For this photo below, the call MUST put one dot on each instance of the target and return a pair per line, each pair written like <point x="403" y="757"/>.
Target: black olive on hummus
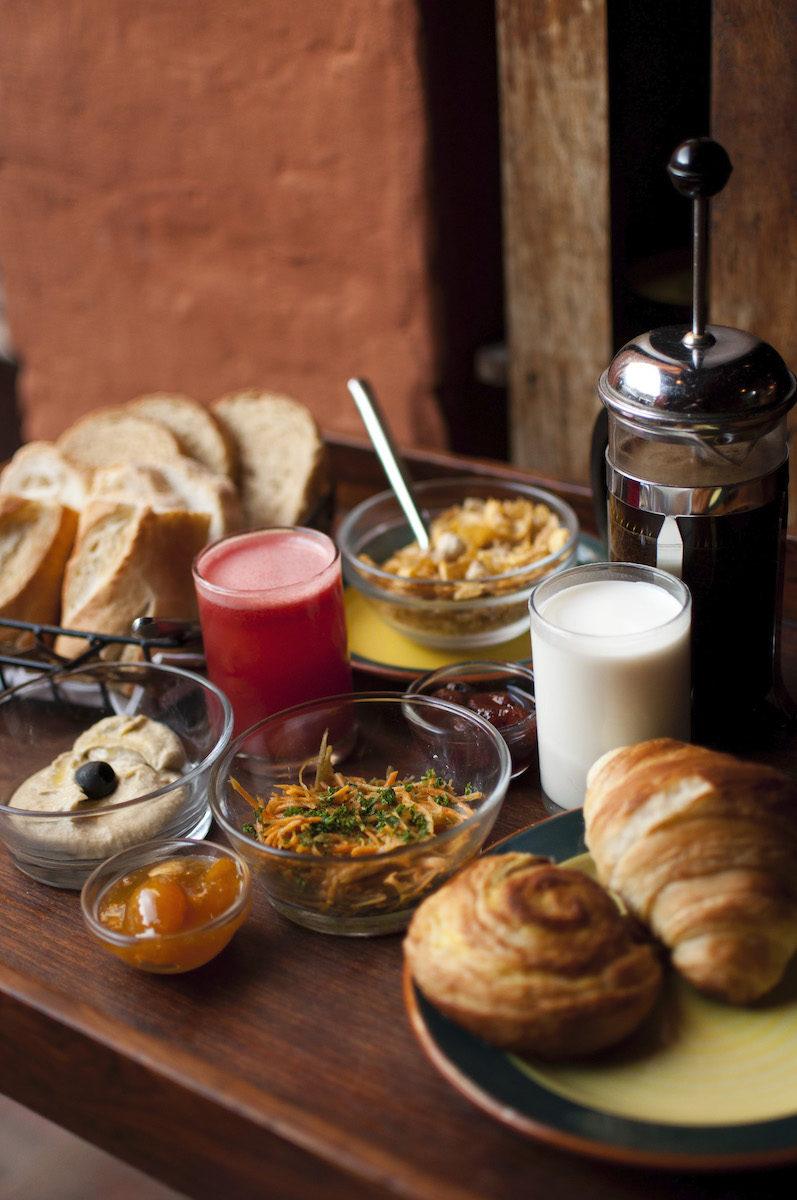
<point x="97" y="779"/>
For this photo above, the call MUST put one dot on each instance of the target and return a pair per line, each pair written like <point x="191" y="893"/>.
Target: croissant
<point x="702" y="848"/>
<point x="532" y="957"/>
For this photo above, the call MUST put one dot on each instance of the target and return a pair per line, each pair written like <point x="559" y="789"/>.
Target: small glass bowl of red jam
<point x="167" y="906"/>
<point x="501" y="692"/>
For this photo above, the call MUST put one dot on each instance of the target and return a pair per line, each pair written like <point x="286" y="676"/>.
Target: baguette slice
<point x="199" y="432"/>
<point x="129" y="560"/>
<point x="111" y="435"/>
<point x="35" y="541"/>
<point x="135" y="482"/>
<point x="40" y="471"/>
<point x="282" y="458"/>
<point x="181" y="483"/>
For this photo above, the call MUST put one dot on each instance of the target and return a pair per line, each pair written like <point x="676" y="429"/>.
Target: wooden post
<point x="555" y="153"/>
<point x="754" y="221"/>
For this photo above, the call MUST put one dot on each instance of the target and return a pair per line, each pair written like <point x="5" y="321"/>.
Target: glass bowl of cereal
<point x="491" y="541"/>
<point x="349" y="810"/>
<point x="167" y="906"/>
<point x="98" y="758"/>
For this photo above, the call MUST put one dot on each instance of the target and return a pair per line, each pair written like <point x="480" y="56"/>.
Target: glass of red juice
<point x="273" y="621"/>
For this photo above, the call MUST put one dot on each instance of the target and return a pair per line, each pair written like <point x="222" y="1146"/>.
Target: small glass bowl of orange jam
<point x="167" y="906"/>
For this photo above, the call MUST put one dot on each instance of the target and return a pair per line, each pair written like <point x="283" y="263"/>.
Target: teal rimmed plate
<point x="703" y="1086"/>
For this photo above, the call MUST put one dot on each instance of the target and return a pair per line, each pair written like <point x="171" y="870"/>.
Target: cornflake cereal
<point x="473" y="542"/>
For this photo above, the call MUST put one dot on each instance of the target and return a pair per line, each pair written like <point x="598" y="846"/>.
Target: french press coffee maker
<point x="697" y="477"/>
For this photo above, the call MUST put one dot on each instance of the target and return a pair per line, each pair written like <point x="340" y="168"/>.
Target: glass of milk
<point x="610" y="646"/>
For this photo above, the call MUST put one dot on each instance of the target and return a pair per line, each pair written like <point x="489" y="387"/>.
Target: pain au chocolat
<point x="532" y="957"/>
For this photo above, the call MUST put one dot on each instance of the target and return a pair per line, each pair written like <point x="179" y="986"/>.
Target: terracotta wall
<point x="206" y="196"/>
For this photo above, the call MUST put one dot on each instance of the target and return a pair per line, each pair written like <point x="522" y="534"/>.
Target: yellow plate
<point x="375" y="646"/>
<point x="701" y="1085"/>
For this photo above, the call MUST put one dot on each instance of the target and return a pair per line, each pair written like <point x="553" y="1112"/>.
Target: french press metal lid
<point x="710" y="382"/>
<point x="697" y="468"/>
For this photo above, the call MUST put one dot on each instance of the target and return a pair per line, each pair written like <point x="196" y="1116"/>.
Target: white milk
<point x="611" y="658"/>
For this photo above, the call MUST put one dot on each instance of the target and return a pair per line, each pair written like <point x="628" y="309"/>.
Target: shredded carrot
<point x="355" y="816"/>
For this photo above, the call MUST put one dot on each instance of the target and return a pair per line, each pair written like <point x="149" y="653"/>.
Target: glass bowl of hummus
<point x="491" y="541"/>
<point x="98" y="758"/>
<point x="350" y="809"/>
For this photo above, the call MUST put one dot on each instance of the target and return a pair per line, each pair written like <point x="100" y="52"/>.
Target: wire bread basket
<point x="150" y="639"/>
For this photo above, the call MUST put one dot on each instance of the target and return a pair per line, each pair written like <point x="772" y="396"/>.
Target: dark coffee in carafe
<point x="731" y="564"/>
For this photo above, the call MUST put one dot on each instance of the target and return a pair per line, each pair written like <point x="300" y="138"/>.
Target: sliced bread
<point x="129" y="560"/>
<point x="35" y="541"/>
<point x="205" y="491"/>
<point x="282" y="459"/>
<point x="40" y="471"/>
<point x="110" y="435"/>
<point x="199" y="432"/>
<point x="180" y="483"/>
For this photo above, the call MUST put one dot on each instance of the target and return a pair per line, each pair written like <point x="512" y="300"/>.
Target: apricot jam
<point x="171" y="912"/>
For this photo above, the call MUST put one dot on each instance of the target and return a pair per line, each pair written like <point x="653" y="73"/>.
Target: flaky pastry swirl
<point x="532" y="957"/>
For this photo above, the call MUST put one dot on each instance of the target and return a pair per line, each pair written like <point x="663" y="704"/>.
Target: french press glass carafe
<point x="697" y="476"/>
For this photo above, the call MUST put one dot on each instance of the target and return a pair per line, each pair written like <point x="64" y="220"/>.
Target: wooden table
<point x="286" y="1068"/>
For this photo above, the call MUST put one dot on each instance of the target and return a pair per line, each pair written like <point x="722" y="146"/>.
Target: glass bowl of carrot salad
<point x="349" y="810"/>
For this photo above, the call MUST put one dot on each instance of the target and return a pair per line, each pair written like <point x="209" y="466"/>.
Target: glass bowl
<point x="501" y="692"/>
<point x="42" y="719"/>
<point x="177" y="903"/>
<point x="323" y="886"/>
<point x="451" y="613"/>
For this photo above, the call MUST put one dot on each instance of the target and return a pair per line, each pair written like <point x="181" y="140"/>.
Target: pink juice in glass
<point x="273" y="620"/>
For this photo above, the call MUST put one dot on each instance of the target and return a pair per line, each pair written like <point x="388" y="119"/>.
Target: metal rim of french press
<point x="698" y="377"/>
